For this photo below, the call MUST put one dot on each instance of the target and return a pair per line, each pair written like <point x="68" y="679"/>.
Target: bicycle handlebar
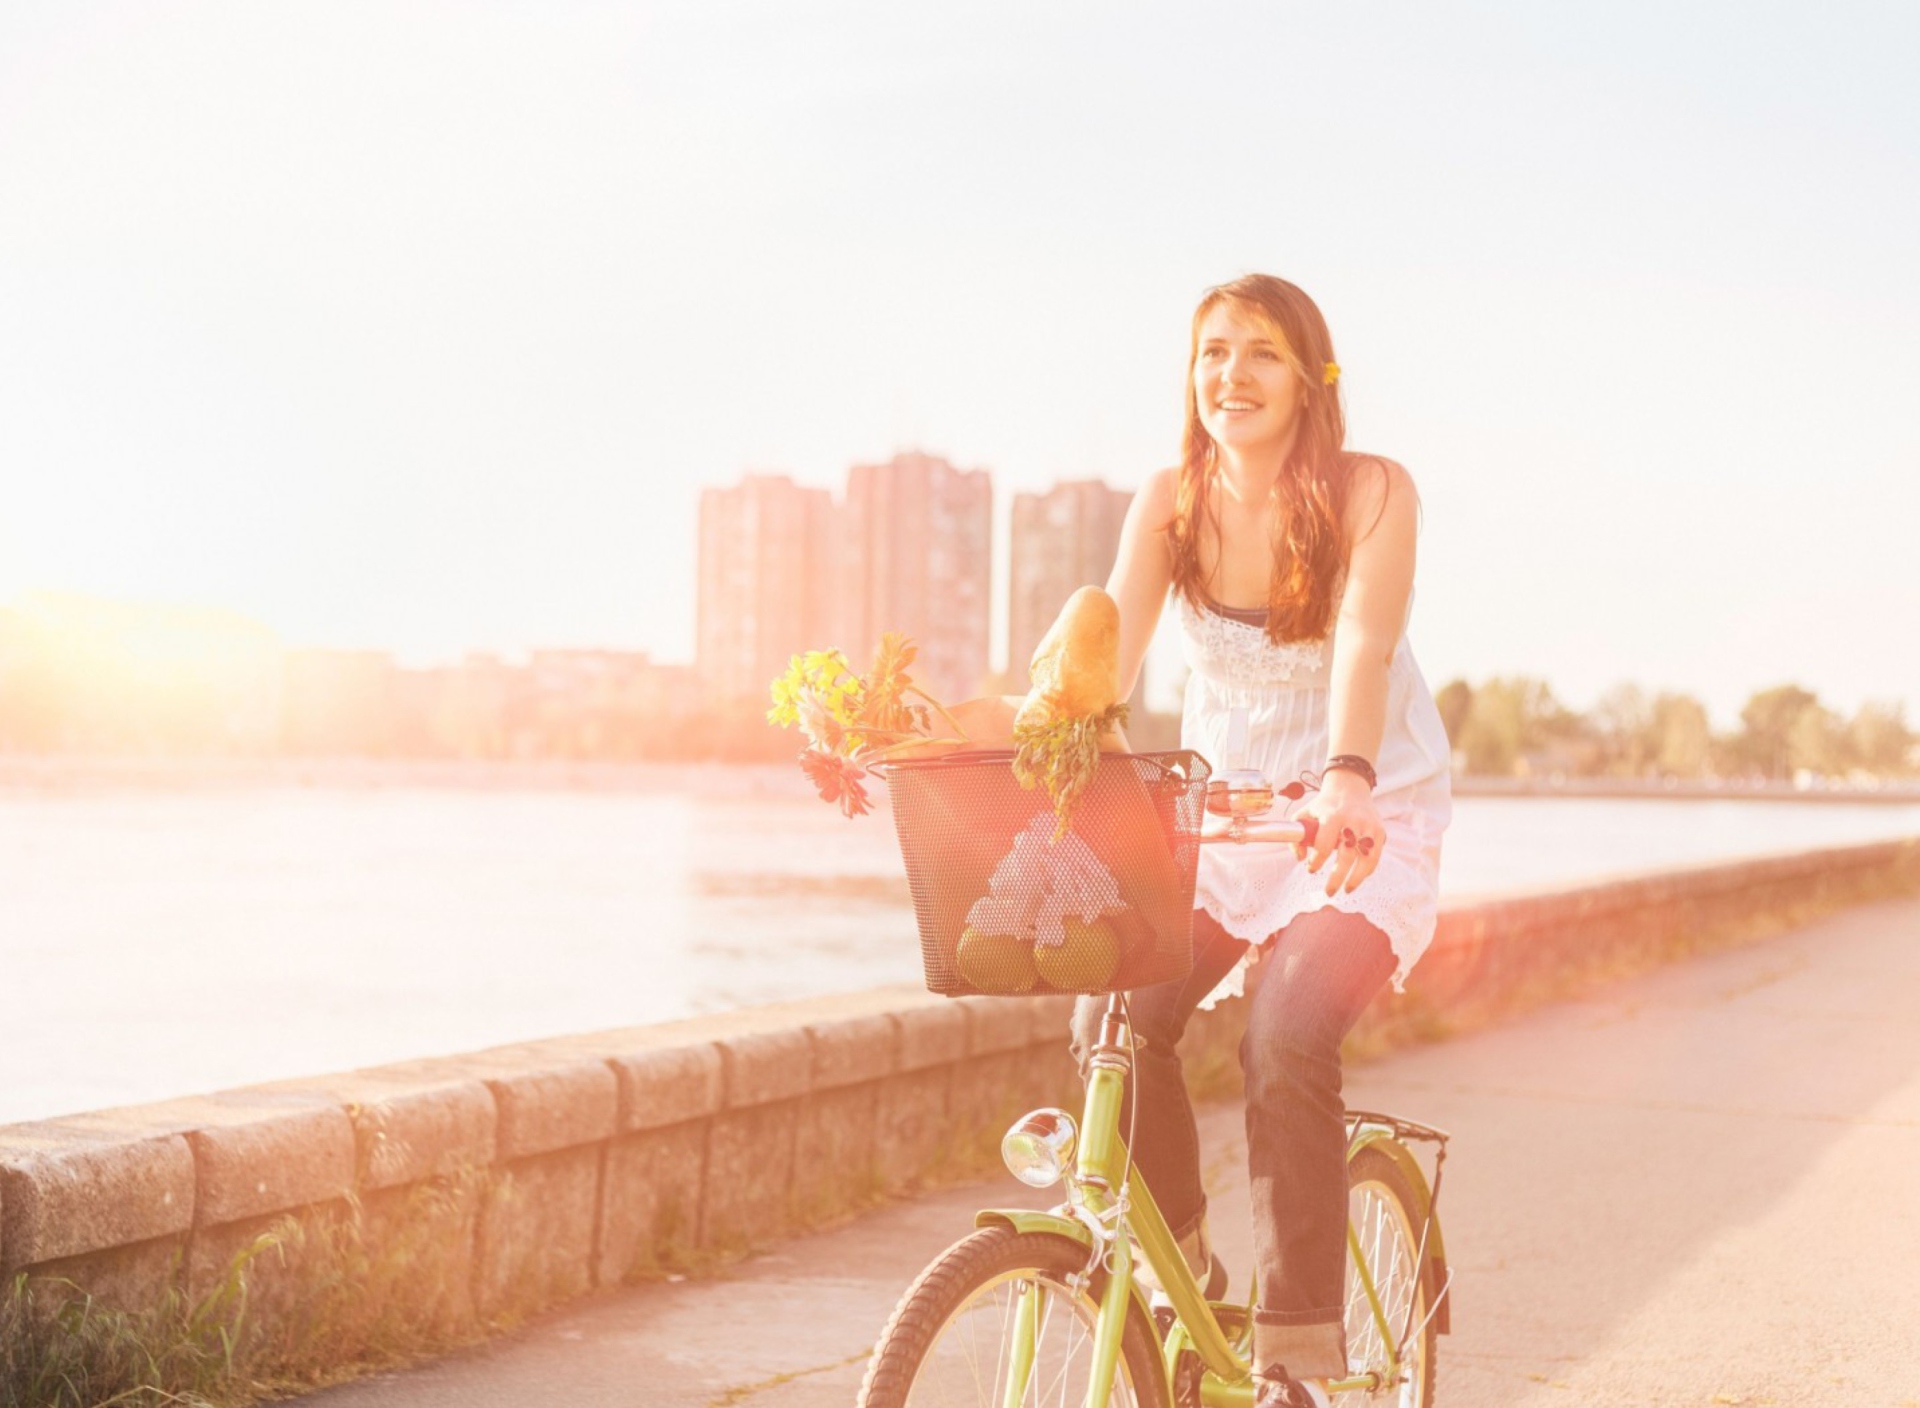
<point x="1240" y="830"/>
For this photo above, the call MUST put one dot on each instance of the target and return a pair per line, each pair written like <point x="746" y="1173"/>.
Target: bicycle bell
<point x="1239" y="793"/>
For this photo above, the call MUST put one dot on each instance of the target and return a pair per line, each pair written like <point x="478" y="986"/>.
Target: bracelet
<point x="1354" y="763"/>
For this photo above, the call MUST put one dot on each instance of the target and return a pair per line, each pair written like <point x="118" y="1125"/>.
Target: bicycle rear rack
<point x="1402" y="1128"/>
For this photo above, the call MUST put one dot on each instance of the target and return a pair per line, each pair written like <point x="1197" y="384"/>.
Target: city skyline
<point x="215" y="639"/>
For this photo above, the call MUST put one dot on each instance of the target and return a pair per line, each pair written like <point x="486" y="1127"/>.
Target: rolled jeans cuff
<point x="1191" y="1225"/>
<point x="1307" y="1348"/>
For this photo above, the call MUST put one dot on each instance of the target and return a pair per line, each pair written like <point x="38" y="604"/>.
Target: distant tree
<point x="1623" y="723"/>
<point x="1769" y="721"/>
<point x="1817" y="742"/>
<point x="1681" y="739"/>
<point x="1490" y="733"/>
<point x="1510" y="717"/>
<point x="1455" y="701"/>
<point x="1878" y="738"/>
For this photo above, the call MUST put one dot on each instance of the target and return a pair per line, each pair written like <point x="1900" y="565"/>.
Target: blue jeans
<point x="1303" y="999"/>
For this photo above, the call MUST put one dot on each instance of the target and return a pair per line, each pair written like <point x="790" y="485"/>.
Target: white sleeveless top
<point x="1280" y="693"/>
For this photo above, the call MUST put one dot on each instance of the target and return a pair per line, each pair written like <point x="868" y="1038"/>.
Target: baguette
<point x="1075" y="672"/>
<point x="1073" y="712"/>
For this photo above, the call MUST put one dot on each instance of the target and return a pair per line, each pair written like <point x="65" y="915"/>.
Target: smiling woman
<point x="1290" y="562"/>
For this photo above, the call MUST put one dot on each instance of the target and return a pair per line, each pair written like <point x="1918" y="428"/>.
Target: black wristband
<point x="1354" y="763"/>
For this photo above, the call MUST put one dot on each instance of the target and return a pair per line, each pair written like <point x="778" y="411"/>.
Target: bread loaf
<point x="1075" y="672"/>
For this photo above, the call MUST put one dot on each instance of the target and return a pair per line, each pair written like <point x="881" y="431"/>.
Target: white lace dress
<point x="1250" y="703"/>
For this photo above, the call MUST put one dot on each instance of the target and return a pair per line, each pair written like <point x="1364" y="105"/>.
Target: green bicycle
<point x="1044" y="1308"/>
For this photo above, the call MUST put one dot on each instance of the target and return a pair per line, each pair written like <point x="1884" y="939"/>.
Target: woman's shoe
<point x="1276" y="1388"/>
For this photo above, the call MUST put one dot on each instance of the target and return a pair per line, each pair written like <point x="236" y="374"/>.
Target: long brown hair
<point x="1310" y="545"/>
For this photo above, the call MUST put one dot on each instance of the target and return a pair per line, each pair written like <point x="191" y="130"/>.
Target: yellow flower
<point x="786" y="696"/>
<point x="823" y="676"/>
<point x="1331" y="374"/>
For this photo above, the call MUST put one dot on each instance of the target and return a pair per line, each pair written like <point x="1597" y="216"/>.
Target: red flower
<point x="837" y="780"/>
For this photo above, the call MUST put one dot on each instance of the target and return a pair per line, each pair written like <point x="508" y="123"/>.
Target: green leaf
<point x="1062" y="756"/>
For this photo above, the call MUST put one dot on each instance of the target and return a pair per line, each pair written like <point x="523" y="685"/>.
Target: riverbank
<point x="380" y="1213"/>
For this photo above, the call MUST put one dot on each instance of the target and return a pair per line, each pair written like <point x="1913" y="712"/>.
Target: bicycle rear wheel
<point x="1387" y="1215"/>
<point x="951" y="1341"/>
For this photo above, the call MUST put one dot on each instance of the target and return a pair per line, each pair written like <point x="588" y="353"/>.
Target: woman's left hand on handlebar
<point x="1351" y="835"/>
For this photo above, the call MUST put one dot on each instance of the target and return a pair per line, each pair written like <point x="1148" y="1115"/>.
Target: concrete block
<point x="411" y="1120"/>
<point x="1055" y="1078"/>
<point x="650" y="1206"/>
<point x="986" y="1096"/>
<point x="1052" y="1018"/>
<point x="911" y="1143"/>
<point x="270" y="1159"/>
<point x="764" y="1067"/>
<point x="537" y="1231"/>
<point x="668" y="1085"/>
<point x="833" y="1153"/>
<point x="419" y="1247"/>
<point x="770" y="1017"/>
<point x="283" y="1257"/>
<point x="559" y="1107"/>
<point x="83" y="1194"/>
<point x="853" y="1050"/>
<point x="996" y="1024"/>
<point x="931" y="1036"/>
<point x="411" y="1134"/>
<point x="749" y="1175"/>
<point x="130" y="1279"/>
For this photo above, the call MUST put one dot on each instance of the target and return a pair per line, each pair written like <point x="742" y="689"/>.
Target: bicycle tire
<point x="1387" y="1214"/>
<point x="944" y="1346"/>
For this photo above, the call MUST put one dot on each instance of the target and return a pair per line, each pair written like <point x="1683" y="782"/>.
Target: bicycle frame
<point x="1110" y="1206"/>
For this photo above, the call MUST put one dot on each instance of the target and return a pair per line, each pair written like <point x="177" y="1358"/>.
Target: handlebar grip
<point x="1296" y="831"/>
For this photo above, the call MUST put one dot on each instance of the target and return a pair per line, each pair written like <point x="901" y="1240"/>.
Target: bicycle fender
<point x="1376" y="1136"/>
<point x="1054" y="1224"/>
<point x="1033" y="1220"/>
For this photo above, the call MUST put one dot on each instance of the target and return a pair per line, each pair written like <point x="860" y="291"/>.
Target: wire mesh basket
<point x="1004" y="907"/>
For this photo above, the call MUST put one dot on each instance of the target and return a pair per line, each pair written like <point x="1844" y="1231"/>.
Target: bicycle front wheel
<point x="1387" y="1213"/>
<point x="995" y="1321"/>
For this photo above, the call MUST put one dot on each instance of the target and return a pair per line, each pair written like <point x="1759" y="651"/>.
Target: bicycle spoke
<point x="1383" y="1244"/>
<point x="1021" y="1335"/>
<point x="985" y="1336"/>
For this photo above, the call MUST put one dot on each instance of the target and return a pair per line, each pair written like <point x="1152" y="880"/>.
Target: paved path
<point x="1698" y="1187"/>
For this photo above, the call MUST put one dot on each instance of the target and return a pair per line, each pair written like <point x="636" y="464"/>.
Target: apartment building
<point x="769" y="583"/>
<point x="1062" y="540"/>
<point x="918" y="558"/>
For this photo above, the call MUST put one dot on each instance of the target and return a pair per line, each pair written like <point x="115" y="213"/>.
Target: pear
<point x="1085" y="962"/>
<point x="995" y="963"/>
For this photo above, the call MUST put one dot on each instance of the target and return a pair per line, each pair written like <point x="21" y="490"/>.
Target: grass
<point x="60" y="1348"/>
<point x="353" y="1292"/>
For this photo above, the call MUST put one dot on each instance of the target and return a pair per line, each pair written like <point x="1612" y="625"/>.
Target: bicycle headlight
<point x="1039" y="1148"/>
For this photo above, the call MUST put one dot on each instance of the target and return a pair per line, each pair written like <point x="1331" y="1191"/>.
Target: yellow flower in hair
<point x="1331" y="374"/>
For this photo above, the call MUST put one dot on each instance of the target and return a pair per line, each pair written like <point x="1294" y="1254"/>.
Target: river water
<point x="160" y="941"/>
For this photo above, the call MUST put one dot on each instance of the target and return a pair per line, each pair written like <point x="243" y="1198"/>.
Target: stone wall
<point x="508" y="1180"/>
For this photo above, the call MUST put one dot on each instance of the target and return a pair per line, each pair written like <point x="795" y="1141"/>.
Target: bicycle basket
<point x="1004" y="908"/>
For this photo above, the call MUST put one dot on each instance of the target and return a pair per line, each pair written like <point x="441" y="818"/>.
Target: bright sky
<point x="421" y="325"/>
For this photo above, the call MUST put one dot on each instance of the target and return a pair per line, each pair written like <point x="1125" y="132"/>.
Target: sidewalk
<point x="1695" y="1187"/>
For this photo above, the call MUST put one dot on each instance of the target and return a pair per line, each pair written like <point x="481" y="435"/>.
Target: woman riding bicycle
<point x="1289" y="561"/>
